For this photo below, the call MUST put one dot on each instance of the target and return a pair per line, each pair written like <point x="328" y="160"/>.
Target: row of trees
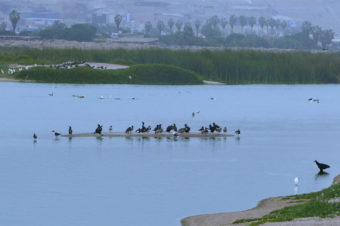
<point x="77" y="32"/>
<point x="216" y="26"/>
<point x="316" y="35"/>
<point x="212" y="33"/>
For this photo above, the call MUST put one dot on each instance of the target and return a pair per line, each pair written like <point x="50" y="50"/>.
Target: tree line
<point x="271" y="33"/>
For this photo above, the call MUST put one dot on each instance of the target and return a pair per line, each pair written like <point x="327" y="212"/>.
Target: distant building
<point x="40" y="19"/>
<point x="99" y="18"/>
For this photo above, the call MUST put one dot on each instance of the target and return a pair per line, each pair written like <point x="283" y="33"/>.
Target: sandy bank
<point x="264" y="207"/>
<point x="206" y="82"/>
<point x="8" y="80"/>
<point x="164" y="134"/>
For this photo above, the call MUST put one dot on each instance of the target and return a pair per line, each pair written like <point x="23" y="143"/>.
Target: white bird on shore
<point x="296" y="181"/>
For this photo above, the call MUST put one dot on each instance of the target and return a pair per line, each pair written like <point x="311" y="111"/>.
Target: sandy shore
<point x="264" y="207"/>
<point x="8" y="80"/>
<point x="206" y="82"/>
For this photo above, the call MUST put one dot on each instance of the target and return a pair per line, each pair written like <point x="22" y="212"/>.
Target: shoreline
<point x="264" y="207"/>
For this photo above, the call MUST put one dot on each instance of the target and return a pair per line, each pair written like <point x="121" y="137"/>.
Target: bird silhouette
<point x="321" y="166"/>
<point x="55" y="133"/>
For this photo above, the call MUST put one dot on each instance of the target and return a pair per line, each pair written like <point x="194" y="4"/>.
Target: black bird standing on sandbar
<point x="35" y="136"/>
<point x="70" y="130"/>
<point x="55" y="133"/>
<point x="321" y="166"/>
<point x="99" y="129"/>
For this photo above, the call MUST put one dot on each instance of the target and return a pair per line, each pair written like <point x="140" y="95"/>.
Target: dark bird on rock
<point x="321" y="166"/>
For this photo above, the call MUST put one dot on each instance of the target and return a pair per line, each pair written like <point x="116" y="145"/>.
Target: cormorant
<point x="70" y="130"/>
<point x="55" y="133"/>
<point x="99" y="129"/>
<point x="321" y="166"/>
<point x="129" y="130"/>
<point x="35" y="136"/>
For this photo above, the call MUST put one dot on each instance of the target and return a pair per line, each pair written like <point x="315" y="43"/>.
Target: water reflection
<point x="321" y="175"/>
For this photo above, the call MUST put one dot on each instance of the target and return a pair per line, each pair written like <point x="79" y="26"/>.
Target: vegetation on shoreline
<point x="227" y="66"/>
<point x="325" y="203"/>
<point x="137" y="74"/>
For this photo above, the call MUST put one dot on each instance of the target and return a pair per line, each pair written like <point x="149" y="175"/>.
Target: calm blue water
<point x="152" y="182"/>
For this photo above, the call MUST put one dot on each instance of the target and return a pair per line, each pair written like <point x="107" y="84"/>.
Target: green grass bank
<point x="325" y="203"/>
<point x="138" y="74"/>
<point x="227" y="66"/>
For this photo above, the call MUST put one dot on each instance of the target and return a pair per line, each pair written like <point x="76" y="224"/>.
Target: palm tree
<point x="160" y="26"/>
<point x="147" y="28"/>
<point x="326" y="38"/>
<point x="306" y="28"/>
<point x="171" y="24"/>
<point x="262" y="22"/>
<point x="118" y="20"/>
<point x="197" y="26"/>
<point x="224" y="23"/>
<point x="214" y="21"/>
<point x="232" y="22"/>
<point x="316" y="31"/>
<point x="272" y="24"/>
<point x="243" y="22"/>
<point x="284" y="25"/>
<point x="252" y="22"/>
<point x="3" y="26"/>
<point x="179" y="24"/>
<point x="14" y="17"/>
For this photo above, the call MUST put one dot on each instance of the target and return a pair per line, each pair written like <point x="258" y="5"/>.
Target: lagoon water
<point x="152" y="182"/>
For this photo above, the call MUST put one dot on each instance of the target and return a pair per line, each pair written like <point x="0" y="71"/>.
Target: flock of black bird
<point x="169" y="129"/>
<point x="173" y="128"/>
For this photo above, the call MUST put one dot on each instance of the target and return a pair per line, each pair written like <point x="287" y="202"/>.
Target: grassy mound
<point x="320" y="204"/>
<point x="151" y="74"/>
